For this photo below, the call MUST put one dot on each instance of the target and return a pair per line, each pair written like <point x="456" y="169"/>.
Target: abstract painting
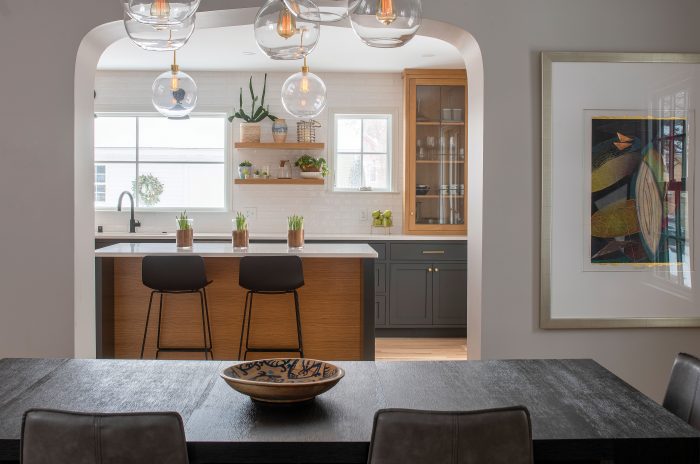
<point x="639" y="190"/>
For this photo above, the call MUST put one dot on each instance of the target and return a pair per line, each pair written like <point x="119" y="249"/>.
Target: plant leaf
<point x="262" y="100"/>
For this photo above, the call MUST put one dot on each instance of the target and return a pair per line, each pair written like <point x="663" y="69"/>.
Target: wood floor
<point x="421" y="349"/>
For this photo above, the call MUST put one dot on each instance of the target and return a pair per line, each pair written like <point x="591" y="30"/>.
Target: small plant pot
<point x="184" y="238"/>
<point x="240" y="239"/>
<point x="250" y="132"/>
<point x="295" y="239"/>
<point x="244" y="172"/>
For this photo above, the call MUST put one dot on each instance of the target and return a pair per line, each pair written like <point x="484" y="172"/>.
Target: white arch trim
<point x="89" y="52"/>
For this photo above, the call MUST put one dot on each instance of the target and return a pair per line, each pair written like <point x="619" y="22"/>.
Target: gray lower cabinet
<point x="411" y="295"/>
<point x="449" y="294"/>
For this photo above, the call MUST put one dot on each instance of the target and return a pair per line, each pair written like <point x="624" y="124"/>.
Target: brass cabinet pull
<point x="433" y="252"/>
<point x="430" y="269"/>
<point x="437" y="269"/>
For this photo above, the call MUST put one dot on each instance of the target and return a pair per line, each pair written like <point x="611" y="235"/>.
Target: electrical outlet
<point x="250" y="213"/>
<point x="363" y="215"/>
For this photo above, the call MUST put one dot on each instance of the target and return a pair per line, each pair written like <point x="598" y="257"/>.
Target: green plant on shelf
<point x="308" y="163"/>
<point x="258" y="113"/>
<point x="183" y="222"/>
<point x="241" y="221"/>
<point x="295" y="222"/>
<point x="246" y="164"/>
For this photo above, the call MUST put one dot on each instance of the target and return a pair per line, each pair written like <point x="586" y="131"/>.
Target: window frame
<point x="228" y="179"/>
<point x="393" y="148"/>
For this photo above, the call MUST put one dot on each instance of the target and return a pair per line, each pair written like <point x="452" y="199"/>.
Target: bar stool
<point x="177" y="275"/>
<point x="270" y="275"/>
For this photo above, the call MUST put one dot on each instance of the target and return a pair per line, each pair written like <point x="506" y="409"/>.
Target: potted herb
<point x="244" y="169"/>
<point x="295" y="234"/>
<point x="250" y="128"/>
<point x="257" y="174"/>
<point x="240" y="232"/>
<point x="184" y="235"/>
<point x="312" y="168"/>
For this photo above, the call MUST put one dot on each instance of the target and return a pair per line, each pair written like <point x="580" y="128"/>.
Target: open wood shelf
<point x="280" y="181"/>
<point x="280" y="146"/>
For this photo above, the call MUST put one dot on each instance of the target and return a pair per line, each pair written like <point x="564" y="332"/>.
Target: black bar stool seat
<point x="177" y="275"/>
<point x="270" y="275"/>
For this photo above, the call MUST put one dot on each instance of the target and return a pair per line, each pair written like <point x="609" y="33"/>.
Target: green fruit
<point x="387" y="213"/>
<point x="376" y="214"/>
<point x="377" y="223"/>
<point x="388" y="222"/>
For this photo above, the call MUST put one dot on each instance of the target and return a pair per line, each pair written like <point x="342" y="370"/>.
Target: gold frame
<point x="546" y="320"/>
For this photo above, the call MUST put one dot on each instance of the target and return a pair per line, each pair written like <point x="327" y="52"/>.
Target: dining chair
<point x="62" y="437"/>
<point x="682" y="394"/>
<point x="493" y="436"/>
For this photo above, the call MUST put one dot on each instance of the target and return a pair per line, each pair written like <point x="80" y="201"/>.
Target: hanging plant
<point x="148" y="189"/>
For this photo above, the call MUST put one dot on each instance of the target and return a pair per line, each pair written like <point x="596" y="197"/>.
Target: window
<point x="362" y="152"/>
<point x="172" y="164"/>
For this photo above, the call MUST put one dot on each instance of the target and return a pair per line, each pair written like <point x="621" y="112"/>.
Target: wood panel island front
<point x="337" y="303"/>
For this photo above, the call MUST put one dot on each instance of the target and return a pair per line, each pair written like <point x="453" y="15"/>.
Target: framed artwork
<point x="618" y="198"/>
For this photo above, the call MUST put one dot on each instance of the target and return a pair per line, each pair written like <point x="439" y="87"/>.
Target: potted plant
<point x="257" y="174"/>
<point x="244" y="169"/>
<point x="184" y="235"/>
<point x="295" y="234"/>
<point x="250" y="128"/>
<point x="240" y="232"/>
<point x="312" y="168"/>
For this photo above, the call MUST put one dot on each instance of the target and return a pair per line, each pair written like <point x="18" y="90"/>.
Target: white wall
<point x="324" y="211"/>
<point x="39" y="45"/>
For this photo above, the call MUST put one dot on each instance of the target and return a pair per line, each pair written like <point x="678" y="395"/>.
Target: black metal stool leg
<point x="204" y="326"/>
<point x="250" y="321"/>
<point x="245" y="314"/>
<point x="296" y="308"/>
<point x="160" y="317"/>
<point x="206" y="311"/>
<point x="148" y="318"/>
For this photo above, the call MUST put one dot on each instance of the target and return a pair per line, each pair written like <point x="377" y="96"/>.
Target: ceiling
<point x="234" y="49"/>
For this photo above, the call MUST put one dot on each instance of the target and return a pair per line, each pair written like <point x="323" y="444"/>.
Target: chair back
<point x="683" y="395"/>
<point x="271" y="273"/>
<point x="495" y="436"/>
<point x="174" y="273"/>
<point x="61" y="437"/>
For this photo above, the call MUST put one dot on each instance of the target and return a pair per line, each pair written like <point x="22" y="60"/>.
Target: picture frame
<point x="618" y="237"/>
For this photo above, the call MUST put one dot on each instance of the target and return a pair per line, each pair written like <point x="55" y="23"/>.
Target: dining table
<point x="579" y="410"/>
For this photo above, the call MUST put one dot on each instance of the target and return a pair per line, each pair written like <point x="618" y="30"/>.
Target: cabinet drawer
<point x="380" y="248"/>
<point x="380" y="278"/>
<point x="379" y="310"/>
<point x="429" y="251"/>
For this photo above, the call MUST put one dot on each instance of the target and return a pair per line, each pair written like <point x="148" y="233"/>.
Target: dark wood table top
<point x="578" y="408"/>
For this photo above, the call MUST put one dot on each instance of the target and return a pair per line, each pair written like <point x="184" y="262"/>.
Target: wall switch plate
<point x="250" y="213"/>
<point x="363" y="215"/>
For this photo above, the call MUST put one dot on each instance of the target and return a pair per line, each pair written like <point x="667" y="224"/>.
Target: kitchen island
<point x="337" y="302"/>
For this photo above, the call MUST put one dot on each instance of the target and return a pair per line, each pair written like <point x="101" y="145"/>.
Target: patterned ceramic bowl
<point x="282" y="380"/>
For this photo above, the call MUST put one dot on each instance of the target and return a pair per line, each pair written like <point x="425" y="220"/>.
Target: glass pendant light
<point x="161" y="13"/>
<point x="304" y="94"/>
<point x="283" y="36"/>
<point x="174" y="93"/>
<point x="386" y="23"/>
<point x="158" y="38"/>
<point x="324" y="11"/>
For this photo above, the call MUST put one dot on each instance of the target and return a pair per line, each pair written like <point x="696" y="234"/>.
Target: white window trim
<point x="395" y="147"/>
<point x="228" y="155"/>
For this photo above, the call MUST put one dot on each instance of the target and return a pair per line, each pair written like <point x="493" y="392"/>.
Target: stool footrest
<point x="184" y="350"/>
<point x="283" y="349"/>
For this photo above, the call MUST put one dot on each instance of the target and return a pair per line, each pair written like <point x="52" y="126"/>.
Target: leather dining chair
<point x="682" y="395"/>
<point x="495" y="436"/>
<point x="61" y="437"/>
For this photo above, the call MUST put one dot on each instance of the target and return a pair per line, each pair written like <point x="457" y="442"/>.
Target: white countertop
<point x="225" y="250"/>
<point x="329" y="237"/>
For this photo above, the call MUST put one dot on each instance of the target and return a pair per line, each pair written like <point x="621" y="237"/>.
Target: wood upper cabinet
<point x="435" y="193"/>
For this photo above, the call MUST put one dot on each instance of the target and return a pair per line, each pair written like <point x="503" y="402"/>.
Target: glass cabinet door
<point x="439" y="156"/>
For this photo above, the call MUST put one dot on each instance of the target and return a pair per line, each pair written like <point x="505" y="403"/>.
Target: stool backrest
<point x="683" y="391"/>
<point x="174" y="273"/>
<point x="496" y="436"/>
<point x="61" y="437"/>
<point x="271" y="273"/>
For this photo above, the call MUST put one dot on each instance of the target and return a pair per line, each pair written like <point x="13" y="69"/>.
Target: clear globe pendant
<point x="283" y="36"/>
<point x="324" y="11"/>
<point x="386" y="23"/>
<point x="174" y="93"/>
<point x="159" y="38"/>
<point x="161" y="12"/>
<point x="304" y="94"/>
